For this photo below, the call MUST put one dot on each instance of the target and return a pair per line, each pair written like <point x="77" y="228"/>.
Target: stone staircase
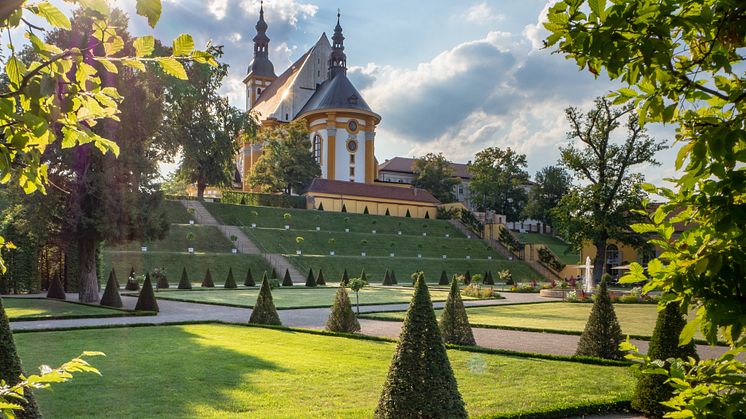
<point x="243" y="244"/>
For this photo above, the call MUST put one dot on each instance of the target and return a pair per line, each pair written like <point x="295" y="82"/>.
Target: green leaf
<point x="114" y="45"/>
<point x="53" y="15"/>
<point x="599" y="8"/>
<point x="689" y="330"/>
<point x="173" y="67"/>
<point x="100" y="6"/>
<point x="183" y="45"/>
<point x="108" y="65"/>
<point x="150" y="9"/>
<point x="137" y="65"/>
<point x="144" y="45"/>
<point x="15" y="70"/>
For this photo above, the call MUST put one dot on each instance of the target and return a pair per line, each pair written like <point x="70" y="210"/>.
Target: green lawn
<point x="269" y="217"/>
<point x="635" y="319"/>
<point x="300" y="296"/>
<point x="176" y="213"/>
<point x="192" y="371"/>
<point x="206" y="239"/>
<point x="38" y="308"/>
<point x="375" y="267"/>
<point x="195" y="264"/>
<point x="556" y="245"/>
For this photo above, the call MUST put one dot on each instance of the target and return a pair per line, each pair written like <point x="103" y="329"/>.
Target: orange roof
<point x="338" y="187"/>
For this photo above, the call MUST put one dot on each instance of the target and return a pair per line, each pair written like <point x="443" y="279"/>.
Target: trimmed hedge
<point x="146" y="301"/>
<point x="320" y="279"/>
<point x="264" y="311"/>
<point x="286" y="280"/>
<point x="263" y="199"/>
<point x="310" y="280"/>
<point x="342" y="318"/>
<point x="230" y="283"/>
<point x="11" y="368"/>
<point x="249" y="281"/>
<point x="184" y="283"/>
<point x="207" y="282"/>
<point x="111" y="296"/>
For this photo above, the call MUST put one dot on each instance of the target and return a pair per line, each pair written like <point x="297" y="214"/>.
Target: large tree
<point x="205" y="129"/>
<point x="287" y="163"/>
<point x="498" y="182"/>
<point x="602" y="208"/>
<point x="435" y="174"/>
<point x="550" y="185"/>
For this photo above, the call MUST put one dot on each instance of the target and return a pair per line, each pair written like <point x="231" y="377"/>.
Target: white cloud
<point x="536" y="33"/>
<point x="482" y="13"/>
<point x="282" y="55"/>
<point x="289" y="11"/>
<point x="217" y="8"/>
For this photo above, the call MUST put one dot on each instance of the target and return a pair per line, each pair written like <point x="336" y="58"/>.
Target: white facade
<point x="349" y="149"/>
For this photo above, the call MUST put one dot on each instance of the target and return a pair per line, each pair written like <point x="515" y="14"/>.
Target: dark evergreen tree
<point x="454" y="323"/>
<point x="55" y="289"/>
<point x="342" y="318"/>
<point x="111" y="296"/>
<point x="264" y="311"/>
<point x="345" y="279"/>
<point x="116" y="280"/>
<point x="146" y="300"/>
<point x="393" y="277"/>
<point x="651" y="389"/>
<point x="320" y="279"/>
<point x="11" y="369"/>
<point x="467" y="277"/>
<point x="286" y="280"/>
<point x="602" y="334"/>
<point x="184" y="282"/>
<point x="274" y="274"/>
<point x="310" y="280"/>
<point x="362" y="276"/>
<point x="420" y="381"/>
<point x="488" y="279"/>
<point x="207" y="282"/>
<point x="230" y="283"/>
<point x="387" y="278"/>
<point x="443" y="278"/>
<point x="249" y="281"/>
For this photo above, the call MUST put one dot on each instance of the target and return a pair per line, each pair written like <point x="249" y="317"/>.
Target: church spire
<point x="261" y="66"/>
<point x="338" y="59"/>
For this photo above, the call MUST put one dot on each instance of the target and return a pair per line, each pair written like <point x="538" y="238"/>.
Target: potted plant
<point x="234" y="238"/>
<point x="299" y="240"/>
<point x="399" y="228"/>
<point x="373" y="225"/>
<point x="191" y="213"/>
<point x="468" y="250"/>
<point x="356" y="284"/>
<point x="443" y="247"/>
<point x="363" y="243"/>
<point x="391" y="249"/>
<point x="255" y="215"/>
<point x="419" y="250"/>
<point x="331" y="245"/>
<point x="424" y="229"/>
<point x="287" y="218"/>
<point x="318" y="219"/>
<point x="347" y="224"/>
<point x="190" y="238"/>
<point x="446" y="227"/>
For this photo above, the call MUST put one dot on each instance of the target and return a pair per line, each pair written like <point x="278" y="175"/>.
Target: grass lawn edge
<point x="120" y="312"/>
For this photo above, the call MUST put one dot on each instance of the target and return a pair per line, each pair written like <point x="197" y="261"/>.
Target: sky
<point x="445" y="76"/>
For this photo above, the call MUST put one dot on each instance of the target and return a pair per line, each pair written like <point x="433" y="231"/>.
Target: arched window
<point x="316" y="147"/>
<point x="258" y="91"/>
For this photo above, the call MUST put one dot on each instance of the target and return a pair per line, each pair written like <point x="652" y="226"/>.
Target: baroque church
<point x="342" y="126"/>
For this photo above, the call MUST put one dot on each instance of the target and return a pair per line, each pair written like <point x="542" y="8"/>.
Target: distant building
<point x="401" y="170"/>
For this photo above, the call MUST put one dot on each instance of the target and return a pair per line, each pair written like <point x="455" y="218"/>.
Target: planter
<point x="399" y="233"/>
<point x="191" y="221"/>
<point x="318" y="228"/>
<point x="448" y="235"/>
<point x="253" y="225"/>
<point x="468" y="257"/>
<point x="297" y="252"/>
<point x="373" y="231"/>
<point x="190" y="250"/>
<point x="391" y="254"/>
<point x="331" y="253"/>
<point x="144" y="248"/>
<point x="287" y="227"/>
<point x="445" y="256"/>
<point x="419" y="255"/>
<point x="424" y="234"/>
<point x="555" y="293"/>
<point x="347" y="230"/>
<point x="234" y="251"/>
<point x="362" y="253"/>
<point x="489" y="257"/>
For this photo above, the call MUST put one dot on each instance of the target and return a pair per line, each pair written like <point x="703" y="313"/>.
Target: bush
<point x="11" y="368"/>
<point x="488" y="280"/>
<point x="467" y="277"/>
<point x="161" y="281"/>
<point x="420" y="381"/>
<point x="146" y="300"/>
<point x="132" y="283"/>
<point x="652" y="389"/>
<point x="184" y="283"/>
<point x="207" y="282"/>
<point x="443" y="278"/>
<point x="454" y="323"/>
<point x="602" y="334"/>
<point x="111" y="296"/>
<point x="506" y="277"/>
<point x="287" y="281"/>
<point x="230" y="282"/>
<point x="345" y="279"/>
<point x="55" y="289"/>
<point x="310" y="280"/>
<point x="387" y="278"/>
<point x="320" y="281"/>
<point x="342" y="318"/>
<point x="263" y="199"/>
<point x="416" y="276"/>
<point x="264" y="311"/>
<point x="393" y="278"/>
<point x="475" y="291"/>
<point x="249" y="281"/>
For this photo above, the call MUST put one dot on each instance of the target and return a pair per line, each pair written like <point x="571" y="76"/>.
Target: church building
<point x="342" y="126"/>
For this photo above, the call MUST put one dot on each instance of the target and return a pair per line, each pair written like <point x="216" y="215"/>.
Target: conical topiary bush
<point x="467" y="277"/>
<point x="651" y="389"/>
<point x="274" y="274"/>
<point x="116" y="280"/>
<point x="11" y="369"/>
<point x="286" y="280"/>
<point x="320" y="279"/>
<point x="55" y="289"/>
<point x="602" y="334"/>
<point x="345" y="279"/>
<point x="454" y="323"/>
<point x="132" y="284"/>
<point x="443" y="278"/>
<point x="387" y="278"/>
<point x="342" y="318"/>
<point x="363" y="276"/>
<point x="488" y="280"/>
<point x="393" y="278"/>
<point x="184" y="282"/>
<point x="230" y="283"/>
<point x="249" y="281"/>
<point x="310" y="280"/>
<point x="162" y="282"/>
<point x="207" y="282"/>
<point x="146" y="300"/>
<point x="264" y="311"/>
<point x="420" y="381"/>
<point x="111" y="296"/>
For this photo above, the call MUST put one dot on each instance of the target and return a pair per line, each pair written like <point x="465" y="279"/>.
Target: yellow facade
<point x="375" y="206"/>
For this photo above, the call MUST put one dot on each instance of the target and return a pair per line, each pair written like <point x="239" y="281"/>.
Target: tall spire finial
<point x="338" y="59"/>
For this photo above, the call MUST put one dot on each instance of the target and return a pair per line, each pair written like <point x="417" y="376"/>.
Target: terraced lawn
<point x="635" y="319"/>
<point x="232" y="371"/>
<point x="556" y="245"/>
<point x="40" y="308"/>
<point x="205" y="239"/>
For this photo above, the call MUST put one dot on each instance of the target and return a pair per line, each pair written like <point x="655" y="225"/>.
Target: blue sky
<point x="446" y="76"/>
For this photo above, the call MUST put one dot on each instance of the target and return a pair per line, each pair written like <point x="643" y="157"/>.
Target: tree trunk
<point x="599" y="262"/>
<point x="201" y="186"/>
<point x="88" y="289"/>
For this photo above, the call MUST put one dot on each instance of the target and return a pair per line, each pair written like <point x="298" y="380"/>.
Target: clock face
<point x="352" y="125"/>
<point x="351" y="146"/>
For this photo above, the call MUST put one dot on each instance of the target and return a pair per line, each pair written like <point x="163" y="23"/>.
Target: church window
<point x="317" y="148"/>
<point x="258" y="91"/>
<point x="352" y="159"/>
<point x="287" y="117"/>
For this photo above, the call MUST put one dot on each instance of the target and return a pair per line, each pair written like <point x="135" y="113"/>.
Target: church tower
<point x="338" y="59"/>
<point x="261" y="72"/>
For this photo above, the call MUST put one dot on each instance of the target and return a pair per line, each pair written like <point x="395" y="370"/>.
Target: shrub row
<point x="263" y="199"/>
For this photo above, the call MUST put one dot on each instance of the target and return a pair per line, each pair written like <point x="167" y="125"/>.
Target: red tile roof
<point x="338" y="187"/>
<point x="406" y="165"/>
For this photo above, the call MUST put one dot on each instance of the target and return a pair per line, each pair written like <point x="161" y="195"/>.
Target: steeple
<point x="261" y="65"/>
<point x="338" y="59"/>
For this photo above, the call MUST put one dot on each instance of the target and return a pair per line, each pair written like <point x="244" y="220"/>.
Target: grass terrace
<point x="232" y="371"/>
<point x="42" y="308"/>
<point x="176" y="213"/>
<point x="206" y="239"/>
<point x="556" y="245"/>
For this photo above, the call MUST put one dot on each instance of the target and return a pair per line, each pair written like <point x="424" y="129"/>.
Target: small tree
<point x="488" y="280"/>
<point x="286" y="280"/>
<point x="264" y="311"/>
<point x="234" y="239"/>
<point x="146" y="300"/>
<point x="392" y="247"/>
<point x="467" y="277"/>
<point x="320" y="278"/>
<point x="345" y="279"/>
<point x="56" y="291"/>
<point x="310" y="280"/>
<point x="454" y="322"/>
<point x="602" y="334"/>
<point x="111" y="296"/>
<point x="506" y="277"/>
<point x="443" y="278"/>
<point x="249" y="281"/>
<point x="356" y="284"/>
<point x="299" y="241"/>
<point x="11" y="369"/>
<point x="652" y="389"/>
<point x="184" y="282"/>
<point x="387" y="278"/>
<point x="230" y="283"/>
<point x="287" y="218"/>
<point x="342" y="319"/>
<point x="207" y="282"/>
<point x="331" y="244"/>
<point x="363" y="243"/>
<point x="420" y="381"/>
<point x="190" y="238"/>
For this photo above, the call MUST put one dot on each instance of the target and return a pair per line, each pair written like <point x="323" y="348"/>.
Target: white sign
<point x="234" y="251"/>
<point x="144" y="248"/>
<point x="191" y="221"/>
<point x="191" y="250"/>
